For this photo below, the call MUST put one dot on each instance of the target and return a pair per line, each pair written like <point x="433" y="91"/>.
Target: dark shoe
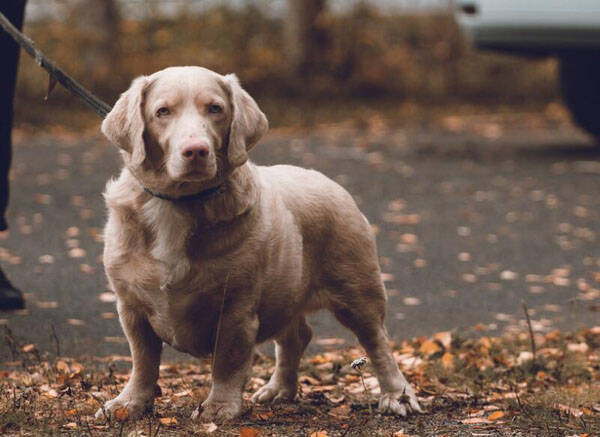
<point x="10" y="297"/>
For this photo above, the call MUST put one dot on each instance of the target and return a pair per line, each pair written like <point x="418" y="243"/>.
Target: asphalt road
<point x="475" y="215"/>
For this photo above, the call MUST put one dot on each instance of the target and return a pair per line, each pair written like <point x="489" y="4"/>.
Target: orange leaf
<point x="264" y="416"/>
<point x="429" y="347"/>
<point x="496" y="415"/>
<point x="168" y="421"/>
<point x="340" y="412"/>
<point x="28" y="348"/>
<point x="249" y="432"/>
<point x="121" y="414"/>
<point x="445" y="338"/>
<point x="448" y="360"/>
<point x="474" y="421"/>
<point x="62" y="366"/>
<point x="319" y="434"/>
<point x="70" y="413"/>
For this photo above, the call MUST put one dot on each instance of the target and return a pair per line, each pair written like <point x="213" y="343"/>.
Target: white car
<point x="569" y="29"/>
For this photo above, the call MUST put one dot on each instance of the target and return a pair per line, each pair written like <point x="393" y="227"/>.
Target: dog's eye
<point x="163" y="111"/>
<point x="213" y="108"/>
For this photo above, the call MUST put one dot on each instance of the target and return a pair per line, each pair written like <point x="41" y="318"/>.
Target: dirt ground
<point x="467" y="386"/>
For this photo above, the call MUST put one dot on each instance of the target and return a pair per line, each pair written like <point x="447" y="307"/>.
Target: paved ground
<point x="475" y="215"/>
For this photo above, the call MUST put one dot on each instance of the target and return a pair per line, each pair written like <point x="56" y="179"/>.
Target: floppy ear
<point x="124" y="124"/>
<point x="248" y="123"/>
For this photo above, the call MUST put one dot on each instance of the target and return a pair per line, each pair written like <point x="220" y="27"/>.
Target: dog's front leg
<point x="234" y="349"/>
<point x="146" y="347"/>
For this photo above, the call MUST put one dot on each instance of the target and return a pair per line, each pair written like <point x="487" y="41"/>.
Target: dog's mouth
<point x="197" y="174"/>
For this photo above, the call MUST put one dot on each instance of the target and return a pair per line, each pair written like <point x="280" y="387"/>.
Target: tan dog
<point x="196" y="233"/>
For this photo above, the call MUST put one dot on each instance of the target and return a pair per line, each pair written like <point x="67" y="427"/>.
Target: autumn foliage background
<point x="374" y="59"/>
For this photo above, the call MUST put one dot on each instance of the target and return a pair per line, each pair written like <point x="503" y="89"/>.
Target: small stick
<point x="533" y="348"/>
<point x="366" y="393"/>
<point x="357" y="365"/>
<point x="55" y="339"/>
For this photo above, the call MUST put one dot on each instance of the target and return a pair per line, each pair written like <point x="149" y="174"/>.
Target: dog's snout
<point x="195" y="150"/>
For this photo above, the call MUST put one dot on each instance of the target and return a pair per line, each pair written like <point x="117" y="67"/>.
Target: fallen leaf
<point x="75" y="322"/>
<point x="209" y="428"/>
<point x="71" y="412"/>
<point x="264" y="416"/>
<point x="47" y="305"/>
<point x="77" y="252"/>
<point x="108" y="297"/>
<point x="411" y="301"/>
<point x="121" y="414"/>
<point x="475" y="421"/>
<point x="575" y="412"/>
<point x="62" y="366"/>
<point x="387" y="277"/>
<point x="46" y="259"/>
<point x="340" y="412"/>
<point x="168" y="421"/>
<point x="330" y="341"/>
<point x="448" y="360"/>
<point x="249" y="432"/>
<point x="496" y="415"/>
<point x="445" y="338"/>
<point x="578" y="347"/>
<point x="508" y="275"/>
<point x="28" y="348"/>
<point x="430" y="347"/>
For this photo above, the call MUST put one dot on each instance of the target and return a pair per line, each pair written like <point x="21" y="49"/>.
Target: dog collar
<point x="202" y="195"/>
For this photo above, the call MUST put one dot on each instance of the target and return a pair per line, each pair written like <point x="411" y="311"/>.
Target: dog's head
<point x="184" y="127"/>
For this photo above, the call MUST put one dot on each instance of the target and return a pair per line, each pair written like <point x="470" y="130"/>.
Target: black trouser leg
<point x="14" y="10"/>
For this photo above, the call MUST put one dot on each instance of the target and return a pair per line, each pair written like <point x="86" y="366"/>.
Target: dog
<point x="210" y="253"/>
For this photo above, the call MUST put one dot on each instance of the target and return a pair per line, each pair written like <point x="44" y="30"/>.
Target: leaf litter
<point x="465" y="384"/>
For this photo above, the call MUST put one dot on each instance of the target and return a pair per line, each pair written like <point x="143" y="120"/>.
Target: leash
<point x="56" y="74"/>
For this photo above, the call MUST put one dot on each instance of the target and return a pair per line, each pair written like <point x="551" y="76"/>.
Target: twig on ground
<point x="10" y="340"/>
<point x="357" y="365"/>
<point x="533" y="348"/>
<point x="55" y="339"/>
<point x="157" y="429"/>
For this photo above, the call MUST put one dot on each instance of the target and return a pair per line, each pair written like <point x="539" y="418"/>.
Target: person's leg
<point x="14" y="10"/>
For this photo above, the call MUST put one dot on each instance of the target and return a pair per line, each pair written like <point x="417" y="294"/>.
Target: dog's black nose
<point x="195" y="150"/>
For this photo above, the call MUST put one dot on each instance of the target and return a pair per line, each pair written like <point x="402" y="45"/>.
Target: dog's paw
<point x="219" y="412"/>
<point x="400" y="402"/>
<point x="136" y="407"/>
<point x="274" y="392"/>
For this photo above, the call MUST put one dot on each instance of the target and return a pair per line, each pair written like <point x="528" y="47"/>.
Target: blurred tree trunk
<point x="305" y="40"/>
<point x="99" y="21"/>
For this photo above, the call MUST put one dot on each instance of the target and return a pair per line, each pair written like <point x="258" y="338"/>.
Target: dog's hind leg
<point x="289" y="348"/>
<point x="363" y="311"/>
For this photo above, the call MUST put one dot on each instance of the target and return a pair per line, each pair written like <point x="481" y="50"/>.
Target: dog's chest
<point x="171" y="230"/>
<point x="186" y="322"/>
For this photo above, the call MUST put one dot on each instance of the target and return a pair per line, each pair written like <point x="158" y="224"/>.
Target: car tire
<point x="580" y="84"/>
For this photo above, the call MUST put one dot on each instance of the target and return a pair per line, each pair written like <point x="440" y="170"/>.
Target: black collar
<point x="202" y="195"/>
